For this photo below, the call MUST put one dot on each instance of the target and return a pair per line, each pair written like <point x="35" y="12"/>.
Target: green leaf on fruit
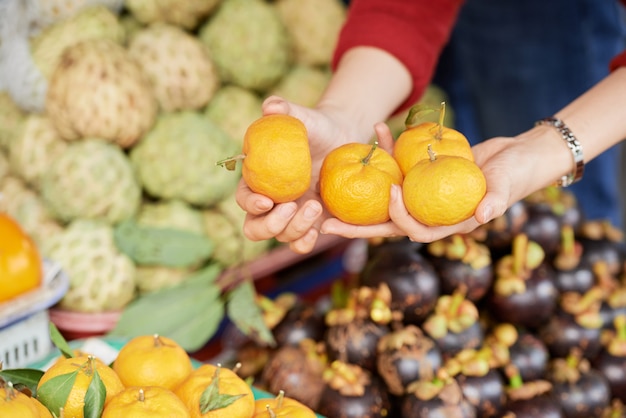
<point x="418" y="113"/>
<point x="243" y="310"/>
<point x="23" y="377"/>
<point x="162" y="246"/>
<point x="95" y="396"/>
<point x="59" y="341"/>
<point x="54" y="392"/>
<point x="211" y="398"/>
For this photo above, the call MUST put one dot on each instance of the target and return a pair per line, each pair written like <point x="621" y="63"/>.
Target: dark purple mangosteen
<point x="436" y="398"/>
<point x="353" y="332"/>
<point x="303" y="320"/>
<point x="353" y="392"/>
<point x="404" y="356"/>
<point x="454" y="324"/>
<point x="523" y="293"/>
<point x="297" y="370"/>
<point x="614" y="303"/>
<point x="413" y="282"/>
<point x="461" y="260"/>
<point x="602" y="241"/>
<point x="530" y="399"/>
<point x="576" y="325"/>
<point x="611" y="361"/>
<point x="530" y="355"/>
<point x="572" y="272"/>
<point x="581" y="391"/>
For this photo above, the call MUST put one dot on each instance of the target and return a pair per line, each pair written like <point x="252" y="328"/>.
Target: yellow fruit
<point x="277" y="160"/>
<point x="20" y="263"/>
<point x="443" y="190"/>
<point x="15" y="404"/>
<point x="43" y="411"/>
<point x="152" y="360"/>
<point x="412" y="144"/>
<point x="85" y="366"/>
<point x="355" y="183"/>
<point x="146" y="402"/>
<point x="281" y="407"/>
<point x="228" y="383"/>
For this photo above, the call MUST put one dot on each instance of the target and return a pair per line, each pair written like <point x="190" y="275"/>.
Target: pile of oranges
<point x="152" y="376"/>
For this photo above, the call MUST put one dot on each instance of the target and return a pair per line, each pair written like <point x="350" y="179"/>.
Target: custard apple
<point x="184" y="13"/>
<point x="27" y="208"/>
<point x="44" y="13"/>
<point x="174" y="214"/>
<point x="4" y="165"/>
<point x="101" y="277"/>
<point x="178" y="65"/>
<point x="177" y="159"/>
<point x="34" y="148"/>
<point x="233" y="109"/>
<point x="98" y="90"/>
<point x="313" y="26"/>
<point x="11" y="116"/>
<point x="248" y="42"/>
<point x="303" y="85"/>
<point x="92" y="179"/>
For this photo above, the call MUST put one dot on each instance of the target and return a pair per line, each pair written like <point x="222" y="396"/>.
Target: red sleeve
<point x="618" y="61"/>
<point x="414" y="31"/>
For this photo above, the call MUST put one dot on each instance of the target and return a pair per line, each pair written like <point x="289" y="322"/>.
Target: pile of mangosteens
<point x="523" y="317"/>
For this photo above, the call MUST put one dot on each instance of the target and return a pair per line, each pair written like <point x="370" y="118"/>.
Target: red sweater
<point x="415" y="32"/>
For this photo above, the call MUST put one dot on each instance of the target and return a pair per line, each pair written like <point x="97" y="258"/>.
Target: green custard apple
<point x="92" y="179"/>
<point x="11" y="116"/>
<point x="233" y="109"/>
<point x="184" y="13"/>
<point x="303" y="84"/>
<point x="177" y="159"/>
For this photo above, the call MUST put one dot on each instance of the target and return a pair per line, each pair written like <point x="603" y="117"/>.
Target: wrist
<point x="574" y="146"/>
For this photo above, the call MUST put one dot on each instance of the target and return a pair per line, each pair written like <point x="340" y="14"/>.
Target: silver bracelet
<point x="575" y="147"/>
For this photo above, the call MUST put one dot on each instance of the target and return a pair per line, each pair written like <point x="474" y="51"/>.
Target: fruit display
<point x="472" y="325"/>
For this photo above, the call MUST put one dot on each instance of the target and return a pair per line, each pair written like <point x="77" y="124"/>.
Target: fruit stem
<point x="368" y="157"/>
<point x="442" y="115"/>
<point x="157" y="340"/>
<point x="142" y="396"/>
<point x="231" y="162"/>
<point x="515" y="378"/>
<point x="279" y="399"/>
<point x="431" y="153"/>
<point x="269" y="410"/>
<point x="520" y="246"/>
<point x="620" y="327"/>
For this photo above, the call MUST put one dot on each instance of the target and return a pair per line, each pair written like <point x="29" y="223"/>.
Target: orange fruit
<point x="21" y="267"/>
<point x="277" y="158"/>
<point x="152" y="360"/>
<point x="226" y="383"/>
<point x="443" y="190"/>
<point x="84" y="366"/>
<point x="281" y="407"/>
<point x="412" y="144"/>
<point x="43" y="411"/>
<point x="146" y="402"/>
<point x="355" y="183"/>
<point x="14" y="403"/>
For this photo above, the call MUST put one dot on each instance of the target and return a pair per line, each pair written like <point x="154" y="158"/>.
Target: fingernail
<point x="487" y="213"/>
<point x="287" y="210"/>
<point x="263" y="205"/>
<point x="311" y="212"/>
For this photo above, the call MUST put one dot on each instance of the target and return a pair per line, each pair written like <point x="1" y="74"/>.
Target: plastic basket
<point x="24" y="329"/>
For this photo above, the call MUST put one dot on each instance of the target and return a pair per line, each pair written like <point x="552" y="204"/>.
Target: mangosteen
<point x="436" y="398"/>
<point x="572" y="272"/>
<point x="523" y="293"/>
<point x="302" y="320"/>
<point x="550" y="209"/>
<point x="404" y="356"/>
<point x="454" y="324"/>
<point x="530" y="355"/>
<point x="581" y="390"/>
<point x="298" y="370"/>
<point x="352" y="392"/>
<point x="482" y="385"/>
<point x="353" y="332"/>
<point x="533" y="399"/>
<point x="577" y="324"/>
<point x="602" y="241"/>
<point x="498" y="233"/>
<point x="614" y="303"/>
<point x="413" y="282"/>
<point x="461" y="260"/>
<point x="611" y="361"/>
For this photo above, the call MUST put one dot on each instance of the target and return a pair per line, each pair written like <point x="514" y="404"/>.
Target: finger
<point x="385" y="138"/>
<point x="306" y="243"/>
<point x="271" y="224"/>
<point x="304" y="219"/>
<point x="253" y="203"/>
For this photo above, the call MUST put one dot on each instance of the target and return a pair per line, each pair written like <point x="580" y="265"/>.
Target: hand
<point x="296" y="223"/>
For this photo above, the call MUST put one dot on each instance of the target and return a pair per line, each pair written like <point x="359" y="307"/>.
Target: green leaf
<point x="162" y="246"/>
<point x="246" y="315"/>
<point x="54" y="392"/>
<point x="27" y="377"/>
<point x="95" y="396"/>
<point x="60" y="342"/>
<point x="211" y="398"/>
<point x="417" y="114"/>
<point x="189" y="313"/>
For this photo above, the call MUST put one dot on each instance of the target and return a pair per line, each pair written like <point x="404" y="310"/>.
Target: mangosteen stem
<point x="620" y="327"/>
<point x="368" y="157"/>
<point x="515" y="378"/>
<point x="520" y="245"/>
<point x="456" y="301"/>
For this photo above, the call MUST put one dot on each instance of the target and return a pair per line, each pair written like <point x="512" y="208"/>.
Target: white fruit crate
<point x="24" y="320"/>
